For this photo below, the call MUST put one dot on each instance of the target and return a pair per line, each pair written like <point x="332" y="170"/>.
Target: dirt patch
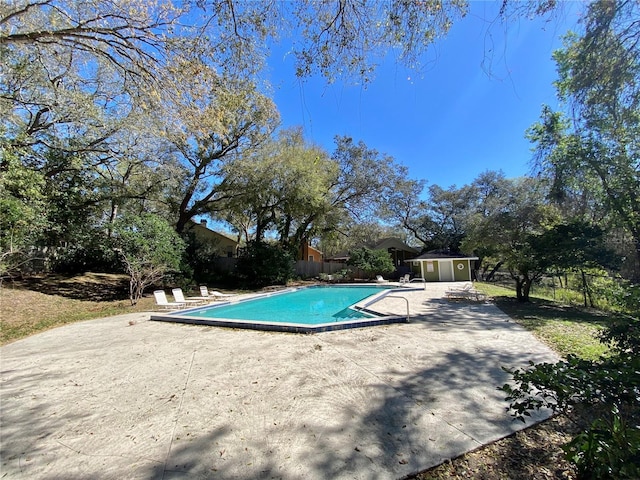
<point x="35" y="304"/>
<point x="531" y="454"/>
<point x="89" y="286"/>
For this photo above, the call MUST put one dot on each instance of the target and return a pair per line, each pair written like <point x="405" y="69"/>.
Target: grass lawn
<point x="566" y="329"/>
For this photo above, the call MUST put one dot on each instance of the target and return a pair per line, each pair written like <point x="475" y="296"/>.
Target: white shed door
<point x="445" y="268"/>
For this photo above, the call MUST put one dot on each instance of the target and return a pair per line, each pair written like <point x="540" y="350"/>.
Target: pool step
<point x="349" y="313"/>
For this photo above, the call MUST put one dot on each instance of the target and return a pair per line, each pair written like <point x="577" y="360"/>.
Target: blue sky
<point x="454" y="119"/>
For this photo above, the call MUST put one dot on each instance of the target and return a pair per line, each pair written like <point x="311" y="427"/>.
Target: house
<point x="310" y="254"/>
<point x="223" y="245"/>
<point x="397" y="249"/>
<point x="443" y="267"/>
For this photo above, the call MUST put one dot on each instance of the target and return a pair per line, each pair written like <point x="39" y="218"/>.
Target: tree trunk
<point x="586" y="291"/>
<point x="526" y="288"/>
<point x="636" y="273"/>
<point x="493" y="272"/>
<point x="519" y="289"/>
<point x="523" y="286"/>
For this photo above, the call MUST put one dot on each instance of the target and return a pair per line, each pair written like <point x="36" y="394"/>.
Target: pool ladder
<point x="387" y="295"/>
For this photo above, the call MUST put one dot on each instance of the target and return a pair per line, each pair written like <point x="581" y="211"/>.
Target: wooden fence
<point x="306" y="269"/>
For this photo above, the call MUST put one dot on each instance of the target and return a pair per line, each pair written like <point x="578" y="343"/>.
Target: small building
<point x="442" y="267"/>
<point x="310" y="254"/>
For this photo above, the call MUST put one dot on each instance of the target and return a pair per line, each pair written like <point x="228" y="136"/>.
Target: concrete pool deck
<point x="125" y="397"/>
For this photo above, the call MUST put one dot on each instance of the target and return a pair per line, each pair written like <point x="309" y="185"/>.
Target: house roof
<point x="393" y="242"/>
<point x="441" y="256"/>
<point x="384" y="244"/>
<point x="203" y="225"/>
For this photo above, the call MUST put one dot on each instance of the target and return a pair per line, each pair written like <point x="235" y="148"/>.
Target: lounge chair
<point x="379" y="279"/>
<point x="213" y="294"/>
<point x="179" y="296"/>
<point x="161" y="301"/>
<point x="467" y="291"/>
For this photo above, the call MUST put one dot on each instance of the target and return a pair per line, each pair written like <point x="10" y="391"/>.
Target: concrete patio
<point x="125" y="397"/>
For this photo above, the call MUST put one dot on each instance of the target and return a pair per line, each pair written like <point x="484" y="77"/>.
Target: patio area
<point x="125" y="397"/>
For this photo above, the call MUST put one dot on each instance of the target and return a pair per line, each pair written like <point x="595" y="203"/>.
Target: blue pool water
<point x="308" y="306"/>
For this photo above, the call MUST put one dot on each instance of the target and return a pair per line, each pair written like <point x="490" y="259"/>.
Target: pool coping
<point x="292" y="327"/>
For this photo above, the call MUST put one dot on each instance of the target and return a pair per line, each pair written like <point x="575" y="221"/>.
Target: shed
<point x="442" y="267"/>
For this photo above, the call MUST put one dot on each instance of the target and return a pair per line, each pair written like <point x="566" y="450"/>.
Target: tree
<point x="371" y="262"/>
<point x="509" y="231"/>
<point x="207" y="126"/>
<point x="597" y="143"/>
<point x="22" y="209"/>
<point x="351" y="235"/>
<point x="575" y="245"/>
<point x="439" y="221"/>
<point x="282" y="187"/>
<point x="295" y="192"/>
<point x="149" y="248"/>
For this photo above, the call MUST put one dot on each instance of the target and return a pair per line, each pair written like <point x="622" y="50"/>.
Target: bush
<point x="149" y="248"/>
<point x="371" y="262"/>
<point x="609" y="389"/>
<point x="263" y="264"/>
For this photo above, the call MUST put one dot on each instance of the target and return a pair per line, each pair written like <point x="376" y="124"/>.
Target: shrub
<point x="149" y="248"/>
<point x="262" y="264"/>
<point x="609" y="388"/>
<point x="371" y="262"/>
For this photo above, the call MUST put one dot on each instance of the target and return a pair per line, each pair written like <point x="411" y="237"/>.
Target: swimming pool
<point x="300" y="310"/>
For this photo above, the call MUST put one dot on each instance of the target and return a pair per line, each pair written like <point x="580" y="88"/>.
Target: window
<point x="430" y="267"/>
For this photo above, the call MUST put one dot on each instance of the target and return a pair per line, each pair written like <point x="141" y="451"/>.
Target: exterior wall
<point x="225" y="246"/>
<point x="431" y="276"/>
<point x="444" y="270"/>
<point x="310" y="254"/>
<point x="461" y="271"/>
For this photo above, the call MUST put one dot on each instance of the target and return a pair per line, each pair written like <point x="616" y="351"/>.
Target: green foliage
<point x="22" y="211"/>
<point x="262" y="264"/>
<point x="507" y="226"/>
<point x="88" y="251"/>
<point x="575" y="244"/>
<point x="149" y="247"/>
<point x="609" y="388"/>
<point x="371" y="262"/>
<point x="334" y="277"/>
<point x="609" y="449"/>
<point x="590" y="154"/>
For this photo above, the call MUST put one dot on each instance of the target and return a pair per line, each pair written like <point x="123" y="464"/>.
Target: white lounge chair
<point x="161" y="301"/>
<point x="379" y="279"/>
<point x="467" y="291"/>
<point x="179" y="296"/>
<point x="213" y="294"/>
